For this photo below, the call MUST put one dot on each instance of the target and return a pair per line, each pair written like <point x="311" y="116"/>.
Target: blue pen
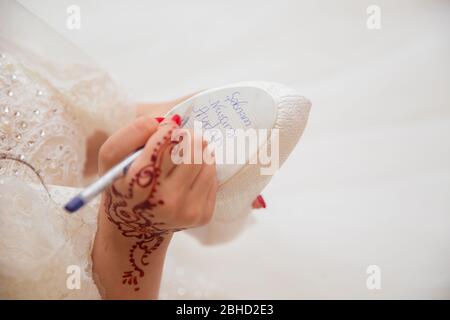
<point x="110" y="176"/>
<point x="102" y="183"/>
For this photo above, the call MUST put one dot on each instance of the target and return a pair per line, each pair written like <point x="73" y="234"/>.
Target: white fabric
<point x="50" y="103"/>
<point x="48" y="107"/>
<point x="40" y="243"/>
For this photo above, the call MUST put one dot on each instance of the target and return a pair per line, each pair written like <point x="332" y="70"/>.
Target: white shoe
<point x="257" y="105"/>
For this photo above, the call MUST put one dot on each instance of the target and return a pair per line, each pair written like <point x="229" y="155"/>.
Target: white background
<point x="369" y="182"/>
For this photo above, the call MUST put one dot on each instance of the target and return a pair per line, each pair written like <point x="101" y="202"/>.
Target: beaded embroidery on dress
<point x="48" y="108"/>
<point x="36" y="128"/>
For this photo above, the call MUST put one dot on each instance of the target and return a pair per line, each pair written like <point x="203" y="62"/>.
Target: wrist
<point x="110" y="232"/>
<point x="127" y="267"/>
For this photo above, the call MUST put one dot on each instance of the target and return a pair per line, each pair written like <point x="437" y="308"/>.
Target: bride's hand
<point x="155" y="195"/>
<point x="141" y="210"/>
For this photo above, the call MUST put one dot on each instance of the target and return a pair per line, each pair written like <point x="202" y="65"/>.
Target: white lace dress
<point x="46" y="114"/>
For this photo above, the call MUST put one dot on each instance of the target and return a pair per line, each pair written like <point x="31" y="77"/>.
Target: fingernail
<point x="177" y="119"/>
<point x="261" y="201"/>
<point x="159" y="119"/>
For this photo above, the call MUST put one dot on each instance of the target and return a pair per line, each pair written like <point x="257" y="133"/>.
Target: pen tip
<point x="74" y="204"/>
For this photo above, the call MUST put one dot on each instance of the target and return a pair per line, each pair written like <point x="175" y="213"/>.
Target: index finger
<point x="125" y="141"/>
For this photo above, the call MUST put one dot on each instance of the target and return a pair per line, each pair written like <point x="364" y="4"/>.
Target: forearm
<point x="115" y="254"/>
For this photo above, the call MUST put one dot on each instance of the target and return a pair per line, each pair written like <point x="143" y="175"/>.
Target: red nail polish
<point x="261" y="201"/>
<point x="177" y="119"/>
<point x="159" y="119"/>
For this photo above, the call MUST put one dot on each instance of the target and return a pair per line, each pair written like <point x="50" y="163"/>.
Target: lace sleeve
<point x="97" y="100"/>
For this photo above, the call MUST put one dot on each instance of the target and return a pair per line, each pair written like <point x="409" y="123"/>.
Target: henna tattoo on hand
<point x="134" y="217"/>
